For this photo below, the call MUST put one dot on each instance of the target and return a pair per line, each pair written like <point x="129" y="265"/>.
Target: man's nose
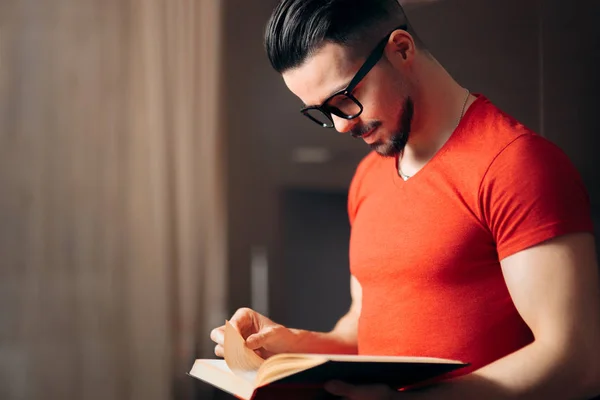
<point x="343" y="125"/>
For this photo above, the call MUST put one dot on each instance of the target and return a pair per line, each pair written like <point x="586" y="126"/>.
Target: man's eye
<point x="340" y="101"/>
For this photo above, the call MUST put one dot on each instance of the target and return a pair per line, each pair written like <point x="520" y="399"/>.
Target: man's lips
<point x="369" y="134"/>
<point x="366" y="134"/>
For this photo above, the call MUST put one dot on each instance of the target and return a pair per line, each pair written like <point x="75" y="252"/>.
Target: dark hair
<point x="299" y="28"/>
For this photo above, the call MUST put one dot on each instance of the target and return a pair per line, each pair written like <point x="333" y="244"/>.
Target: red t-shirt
<point x="427" y="251"/>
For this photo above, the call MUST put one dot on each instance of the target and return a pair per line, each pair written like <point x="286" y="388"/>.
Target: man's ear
<point x="402" y="44"/>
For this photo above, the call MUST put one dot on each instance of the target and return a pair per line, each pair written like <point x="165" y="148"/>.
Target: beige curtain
<point x="112" y="218"/>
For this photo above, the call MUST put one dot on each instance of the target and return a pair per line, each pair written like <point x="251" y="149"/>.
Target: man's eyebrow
<point x="337" y="89"/>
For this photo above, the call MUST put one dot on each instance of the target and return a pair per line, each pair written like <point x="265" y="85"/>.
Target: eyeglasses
<point x="342" y="103"/>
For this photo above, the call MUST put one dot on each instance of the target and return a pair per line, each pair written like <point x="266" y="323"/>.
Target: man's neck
<point x="439" y="103"/>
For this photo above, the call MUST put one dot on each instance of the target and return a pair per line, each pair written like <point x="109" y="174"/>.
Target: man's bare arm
<point x="555" y="287"/>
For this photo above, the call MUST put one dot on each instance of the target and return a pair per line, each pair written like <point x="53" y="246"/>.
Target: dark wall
<point x="490" y="47"/>
<point x="571" y="77"/>
<point x="315" y="286"/>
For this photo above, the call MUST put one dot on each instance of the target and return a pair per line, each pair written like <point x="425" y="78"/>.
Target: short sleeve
<point x="531" y="193"/>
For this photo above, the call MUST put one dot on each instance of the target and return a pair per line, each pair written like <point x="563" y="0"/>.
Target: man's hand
<point x="352" y="392"/>
<point x="262" y="335"/>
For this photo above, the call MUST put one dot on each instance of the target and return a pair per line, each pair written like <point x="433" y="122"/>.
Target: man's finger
<point x="219" y="351"/>
<point x="257" y="340"/>
<point x="217" y="335"/>
<point x="340" y="389"/>
<point x="242" y="321"/>
<point x="352" y="392"/>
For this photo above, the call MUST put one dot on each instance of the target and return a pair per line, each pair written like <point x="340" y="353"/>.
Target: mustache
<point x="359" y="131"/>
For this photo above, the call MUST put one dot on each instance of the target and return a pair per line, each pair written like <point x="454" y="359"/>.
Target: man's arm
<point x="269" y="338"/>
<point x="342" y="339"/>
<point x="555" y="287"/>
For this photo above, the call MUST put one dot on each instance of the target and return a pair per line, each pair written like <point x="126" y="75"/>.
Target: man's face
<point x="384" y="94"/>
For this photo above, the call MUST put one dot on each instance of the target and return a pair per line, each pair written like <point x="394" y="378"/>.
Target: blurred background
<point x="155" y="175"/>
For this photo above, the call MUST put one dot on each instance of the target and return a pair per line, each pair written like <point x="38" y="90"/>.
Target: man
<point x="471" y="235"/>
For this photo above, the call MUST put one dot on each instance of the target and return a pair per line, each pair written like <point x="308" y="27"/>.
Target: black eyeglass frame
<point x="369" y="63"/>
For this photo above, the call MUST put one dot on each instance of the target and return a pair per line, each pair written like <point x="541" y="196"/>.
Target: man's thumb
<point x="257" y="340"/>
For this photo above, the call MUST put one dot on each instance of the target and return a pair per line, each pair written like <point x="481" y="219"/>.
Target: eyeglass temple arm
<point x="373" y="59"/>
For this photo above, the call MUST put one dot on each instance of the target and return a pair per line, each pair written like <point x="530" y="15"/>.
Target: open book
<point x="287" y="376"/>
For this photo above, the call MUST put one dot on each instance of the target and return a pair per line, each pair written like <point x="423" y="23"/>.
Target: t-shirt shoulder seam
<point x="487" y="170"/>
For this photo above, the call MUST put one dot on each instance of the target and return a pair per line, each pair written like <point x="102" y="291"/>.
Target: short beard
<point x="396" y="144"/>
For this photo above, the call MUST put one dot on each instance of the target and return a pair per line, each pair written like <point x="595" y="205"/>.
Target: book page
<point x="283" y="365"/>
<point x="218" y="364"/>
<point x="391" y="359"/>
<point x="218" y="374"/>
<point x="241" y="360"/>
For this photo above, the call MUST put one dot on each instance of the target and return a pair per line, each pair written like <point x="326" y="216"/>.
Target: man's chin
<point x="385" y="149"/>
